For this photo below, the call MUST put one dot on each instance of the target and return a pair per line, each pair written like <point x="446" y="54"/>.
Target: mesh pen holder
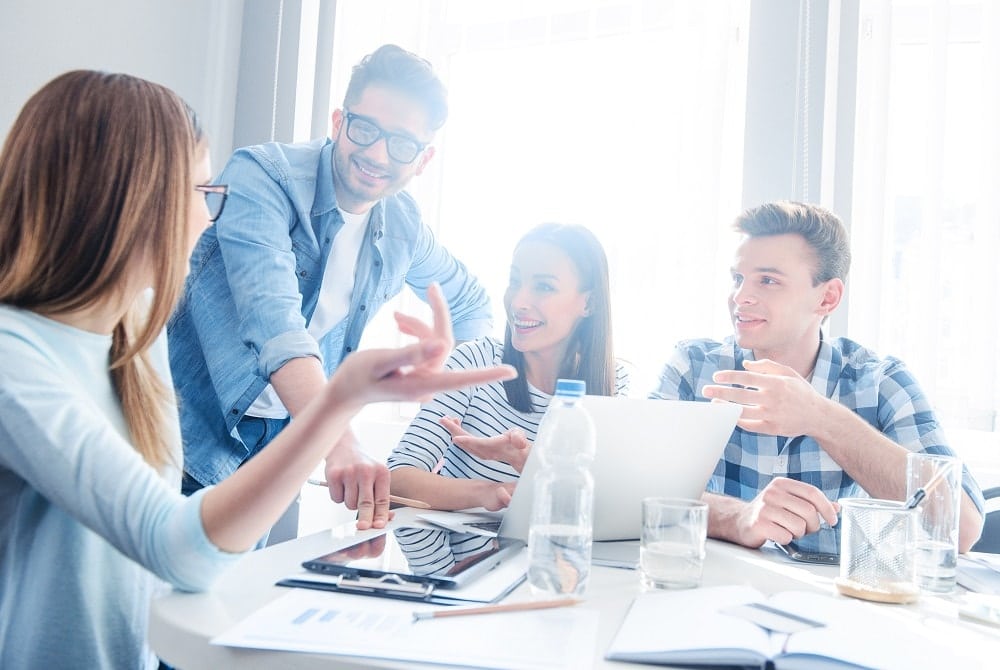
<point x="877" y="550"/>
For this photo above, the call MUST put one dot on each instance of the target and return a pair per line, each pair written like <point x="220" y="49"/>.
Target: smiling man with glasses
<point x="314" y="239"/>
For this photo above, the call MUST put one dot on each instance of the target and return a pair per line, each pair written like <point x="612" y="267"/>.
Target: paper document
<point x="333" y="623"/>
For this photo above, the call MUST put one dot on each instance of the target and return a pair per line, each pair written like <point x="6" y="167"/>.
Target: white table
<point x="181" y="624"/>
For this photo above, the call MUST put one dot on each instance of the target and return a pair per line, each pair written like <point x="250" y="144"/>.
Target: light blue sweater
<point x="86" y="526"/>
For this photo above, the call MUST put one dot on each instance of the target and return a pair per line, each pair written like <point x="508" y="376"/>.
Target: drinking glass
<point x="672" y="544"/>
<point x="937" y="521"/>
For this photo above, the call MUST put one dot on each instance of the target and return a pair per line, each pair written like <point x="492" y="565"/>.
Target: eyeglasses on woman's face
<point x="215" y="198"/>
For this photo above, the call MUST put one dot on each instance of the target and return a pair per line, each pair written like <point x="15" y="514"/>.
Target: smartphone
<point x="819" y="557"/>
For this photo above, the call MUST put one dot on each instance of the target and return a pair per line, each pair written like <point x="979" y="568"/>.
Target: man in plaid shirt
<point x="822" y="419"/>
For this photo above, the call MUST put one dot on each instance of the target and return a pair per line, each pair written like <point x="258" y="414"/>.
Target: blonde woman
<point x="104" y="188"/>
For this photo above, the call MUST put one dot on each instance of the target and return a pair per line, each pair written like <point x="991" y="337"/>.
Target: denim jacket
<point x="254" y="282"/>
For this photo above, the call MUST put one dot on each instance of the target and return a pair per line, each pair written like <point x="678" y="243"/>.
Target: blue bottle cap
<point x="573" y="388"/>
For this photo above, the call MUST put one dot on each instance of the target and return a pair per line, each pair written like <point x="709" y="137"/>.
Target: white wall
<point x="192" y="46"/>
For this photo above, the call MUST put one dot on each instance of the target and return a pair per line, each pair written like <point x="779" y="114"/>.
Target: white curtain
<point x="925" y="285"/>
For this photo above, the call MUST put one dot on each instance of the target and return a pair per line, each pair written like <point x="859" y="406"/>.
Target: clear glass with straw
<point x="936" y="540"/>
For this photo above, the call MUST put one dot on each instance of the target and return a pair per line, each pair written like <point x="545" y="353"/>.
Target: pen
<point x="490" y="609"/>
<point x="921" y="493"/>
<point x="409" y="502"/>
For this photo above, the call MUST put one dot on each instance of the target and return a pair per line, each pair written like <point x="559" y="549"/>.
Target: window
<point x="625" y="117"/>
<point x="925" y="204"/>
<point x="628" y="117"/>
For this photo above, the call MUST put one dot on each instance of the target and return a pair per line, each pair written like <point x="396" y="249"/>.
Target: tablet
<point x="407" y="559"/>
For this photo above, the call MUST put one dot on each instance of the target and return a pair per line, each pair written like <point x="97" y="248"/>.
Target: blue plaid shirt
<point x="879" y="390"/>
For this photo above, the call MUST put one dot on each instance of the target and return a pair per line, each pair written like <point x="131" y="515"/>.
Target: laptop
<point x="644" y="448"/>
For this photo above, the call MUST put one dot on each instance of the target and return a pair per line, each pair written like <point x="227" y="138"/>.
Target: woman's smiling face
<point x="543" y="299"/>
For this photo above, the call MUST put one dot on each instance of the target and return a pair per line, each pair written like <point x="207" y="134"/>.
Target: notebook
<point x="738" y="626"/>
<point x="644" y="448"/>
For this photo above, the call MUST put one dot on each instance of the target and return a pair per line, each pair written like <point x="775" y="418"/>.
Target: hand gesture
<point x="440" y="329"/>
<point x="413" y="372"/>
<point x="499" y="496"/>
<point x="360" y="482"/>
<point x="776" y="400"/>
<point x="510" y="446"/>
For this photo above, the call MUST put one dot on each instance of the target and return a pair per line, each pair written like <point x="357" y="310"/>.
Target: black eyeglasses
<point x="364" y="132"/>
<point x="215" y="198"/>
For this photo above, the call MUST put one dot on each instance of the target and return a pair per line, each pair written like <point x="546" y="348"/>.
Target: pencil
<point x="490" y="609"/>
<point x="409" y="502"/>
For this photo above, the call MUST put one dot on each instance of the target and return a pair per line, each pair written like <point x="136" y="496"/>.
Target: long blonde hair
<point x="95" y="179"/>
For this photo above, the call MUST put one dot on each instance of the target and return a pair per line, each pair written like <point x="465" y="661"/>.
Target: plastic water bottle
<point x="562" y="516"/>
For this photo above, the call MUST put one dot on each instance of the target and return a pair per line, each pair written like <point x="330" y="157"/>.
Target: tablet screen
<point x="438" y="556"/>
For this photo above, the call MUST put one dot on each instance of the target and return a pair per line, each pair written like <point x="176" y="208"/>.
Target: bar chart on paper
<point x="327" y="623"/>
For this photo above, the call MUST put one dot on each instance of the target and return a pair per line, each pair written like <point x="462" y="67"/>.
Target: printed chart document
<point x="739" y="626"/>
<point x="332" y="623"/>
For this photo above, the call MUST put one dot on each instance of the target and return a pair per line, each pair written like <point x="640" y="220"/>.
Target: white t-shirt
<point x="333" y="302"/>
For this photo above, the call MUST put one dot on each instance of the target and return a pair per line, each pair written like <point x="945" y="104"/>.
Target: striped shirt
<point x="879" y="390"/>
<point x="484" y="412"/>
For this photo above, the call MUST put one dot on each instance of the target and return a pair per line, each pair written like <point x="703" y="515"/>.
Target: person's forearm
<point x="723" y="515"/>
<point x="348" y="441"/>
<point x="871" y="459"/>
<point x="444" y="493"/>
<point x="297" y="382"/>
<point x="970" y="524"/>
<point x="238" y="511"/>
<point x="878" y="465"/>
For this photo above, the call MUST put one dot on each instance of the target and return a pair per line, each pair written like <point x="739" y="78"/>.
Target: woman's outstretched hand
<point x="414" y="372"/>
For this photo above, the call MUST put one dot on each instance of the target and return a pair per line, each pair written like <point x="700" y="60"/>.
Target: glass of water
<point x="672" y="547"/>
<point x="937" y="522"/>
